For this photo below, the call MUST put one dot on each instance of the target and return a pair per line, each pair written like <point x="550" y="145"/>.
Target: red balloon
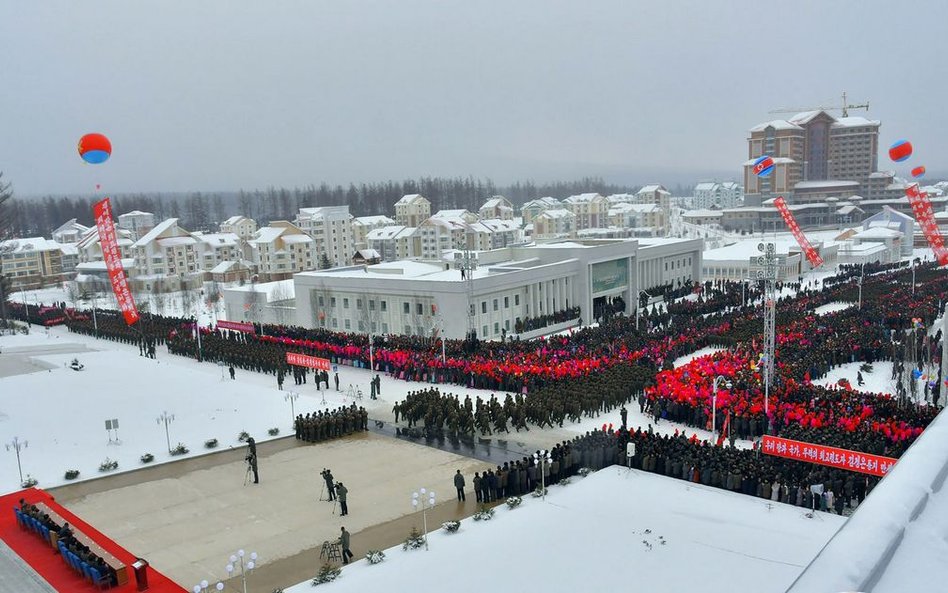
<point x="918" y="172"/>
<point x="94" y="148"/>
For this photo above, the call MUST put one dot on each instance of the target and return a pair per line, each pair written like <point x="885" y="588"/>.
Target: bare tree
<point x="283" y="313"/>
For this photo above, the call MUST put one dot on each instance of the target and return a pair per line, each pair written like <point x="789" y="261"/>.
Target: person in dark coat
<point x="477" y="487"/>
<point x="330" y="487"/>
<point x="459" y="484"/>
<point x="231" y="369"/>
<point x="342" y="493"/>
<point x="344" y="542"/>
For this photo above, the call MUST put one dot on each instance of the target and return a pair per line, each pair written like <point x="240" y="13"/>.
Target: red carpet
<point x="40" y="556"/>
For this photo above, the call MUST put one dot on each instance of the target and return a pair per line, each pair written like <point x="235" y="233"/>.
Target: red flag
<point x="811" y="255"/>
<point x="102" y="211"/>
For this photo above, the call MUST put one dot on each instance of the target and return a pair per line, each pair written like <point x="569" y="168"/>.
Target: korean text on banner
<point x="925" y="216"/>
<point x="811" y="254"/>
<point x="102" y="211"/>
<point x="313" y="362"/>
<point x="856" y="461"/>
<point x="236" y="326"/>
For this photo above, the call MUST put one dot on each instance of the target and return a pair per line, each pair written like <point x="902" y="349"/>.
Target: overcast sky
<point x="226" y="94"/>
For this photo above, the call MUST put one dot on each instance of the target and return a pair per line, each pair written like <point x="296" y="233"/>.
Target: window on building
<point x="345" y="305"/>
<point x="371" y="305"/>
<point x="516" y="300"/>
<point x="507" y="324"/>
<point x="484" y="331"/>
<point x="483" y="306"/>
<point x="407" y="330"/>
<point x="666" y="266"/>
<point x="383" y="305"/>
<point x="384" y="328"/>
<point x="496" y="328"/>
<point x="361" y="326"/>
<point x="495" y="304"/>
<point x="332" y="301"/>
<point x="419" y="308"/>
<point x="506" y="302"/>
<point x="406" y="309"/>
<point x="348" y="324"/>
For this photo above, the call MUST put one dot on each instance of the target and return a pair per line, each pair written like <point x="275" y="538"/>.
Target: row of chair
<point x="89" y="572"/>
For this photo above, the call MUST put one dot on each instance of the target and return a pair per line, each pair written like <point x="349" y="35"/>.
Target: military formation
<point x="323" y="426"/>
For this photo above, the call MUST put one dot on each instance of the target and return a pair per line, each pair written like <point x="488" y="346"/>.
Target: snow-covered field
<point x="616" y="529"/>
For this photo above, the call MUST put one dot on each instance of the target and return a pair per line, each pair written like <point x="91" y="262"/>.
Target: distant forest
<point x="203" y="211"/>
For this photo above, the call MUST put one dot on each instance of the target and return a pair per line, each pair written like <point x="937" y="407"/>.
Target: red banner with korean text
<point x="236" y="326"/>
<point x="313" y="362"/>
<point x="855" y="461"/>
<point x="922" y="208"/>
<point x="804" y="243"/>
<point x="113" y="260"/>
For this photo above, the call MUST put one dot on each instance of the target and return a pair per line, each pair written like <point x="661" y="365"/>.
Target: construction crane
<point x="845" y="106"/>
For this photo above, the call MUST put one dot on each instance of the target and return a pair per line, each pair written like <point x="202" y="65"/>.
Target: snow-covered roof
<point x="70" y="225"/>
<point x="175" y="241"/>
<point x="497" y="225"/>
<point x="496" y="202"/>
<point x="297" y="239"/>
<point x="702" y="213"/>
<point x="233" y="219"/>
<point x="377" y="220"/>
<point x="651" y="189"/>
<point x="99" y="266"/>
<point x="544" y="202"/>
<point x="848" y="209"/>
<point x="806" y="116"/>
<point x="28" y="244"/>
<point x="136" y="213"/>
<point x="777" y="124"/>
<point x="556" y="213"/>
<point x="744" y="250"/>
<point x="878" y="232"/>
<point x="855" y="121"/>
<point x="368" y="254"/>
<point x="226" y="266"/>
<point x="706" y="186"/>
<point x="458" y="213"/>
<point x="267" y="234"/>
<point x="582" y="198"/>
<point x="219" y="239"/>
<point x="387" y="232"/>
<point x="158" y="229"/>
<point x="279" y="290"/>
<point x="409" y="198"/>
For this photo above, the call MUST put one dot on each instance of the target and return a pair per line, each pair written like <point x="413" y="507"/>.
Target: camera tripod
<point x="247" y="475"/>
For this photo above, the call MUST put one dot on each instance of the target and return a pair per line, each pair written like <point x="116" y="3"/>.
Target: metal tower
<point x="468" y="265"/>
<point x="769" y="264"/>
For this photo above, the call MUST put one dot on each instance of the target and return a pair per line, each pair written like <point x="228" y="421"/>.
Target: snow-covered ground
<point x="617" y="529"/>
<point x="683" y="360"/>
<point x="878" y="381"/>
<point x="833" y="307"/>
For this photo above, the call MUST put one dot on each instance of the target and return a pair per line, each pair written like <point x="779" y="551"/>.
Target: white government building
<point x="509" y="285"/>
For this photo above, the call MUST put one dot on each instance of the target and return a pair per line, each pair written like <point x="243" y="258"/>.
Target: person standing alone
<point x="341" y="492"/>
<point x="344" y="541"/>
<point x="459" y="484"/>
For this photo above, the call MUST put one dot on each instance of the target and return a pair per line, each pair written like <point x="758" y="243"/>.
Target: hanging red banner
<point x="856" y="461"/>
<point x="922" y="208"/>
<point x="313" y="362"/>
<point x="811" y="254"/>
<point x="113" y="260"/>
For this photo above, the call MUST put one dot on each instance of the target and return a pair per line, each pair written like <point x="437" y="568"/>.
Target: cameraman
<point x="330" y="487"/>
<point x="252" y="459"/>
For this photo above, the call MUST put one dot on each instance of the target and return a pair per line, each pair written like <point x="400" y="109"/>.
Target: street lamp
<point x="714" y="405"/>
<point x="16" y="444"/>
<point x="291" y="396"/>
<point x="167" y="419"/>
<point x="245" y="568"/>
<point x="427" y="502"/>
<point x="542" y="458"/>
<point x="862" y="273"/>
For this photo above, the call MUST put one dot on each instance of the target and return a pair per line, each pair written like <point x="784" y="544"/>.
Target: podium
<point x="141" y="575"/>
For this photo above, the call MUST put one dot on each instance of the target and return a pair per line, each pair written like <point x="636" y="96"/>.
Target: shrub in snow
<point x="210" y="443"/>
<point x="414" y="540"/>
<point x="179" y="450"/>
<point x="485" y="514"/>
<point x="564" y="481"/>
<point x="243" y="436"/>
<point x="540" y="491"/>
<point x="585" y="471"/>
<point x="147" y="458"/>
<point x="30" y="481"/>
<point x="865" y="367"/>
<point x="108" y="465"/>
<point x="273" y="431"/>
<point x="327" y="574"/>
<point x="451" y="526"/>
<point x="513" y="501"/>
<point x="71" y="474"/>
<point x="375" y="556"/>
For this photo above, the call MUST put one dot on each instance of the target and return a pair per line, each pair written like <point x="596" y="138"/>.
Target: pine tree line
<point x="199" y="211"/>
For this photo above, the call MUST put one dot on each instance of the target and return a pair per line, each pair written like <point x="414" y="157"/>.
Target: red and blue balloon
<point x="95" y="148"/>
<point x="900" y="151"/>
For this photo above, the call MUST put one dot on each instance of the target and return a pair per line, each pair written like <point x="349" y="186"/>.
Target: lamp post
<point x="427" y="501"/>
<point x="16" y="445"/>
<point x="245" y="567"/>
<point x="292" y="396"/>
<point x="714" y="405"/>
<point x="862" y="273"/>
<point x="166" y="419"/>
<point x="197" y="333"/>
<point x="542" y="458"/>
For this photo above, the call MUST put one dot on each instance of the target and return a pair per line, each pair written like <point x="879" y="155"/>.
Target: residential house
<point x="361" y="225"/>
<point x="70" y="232"/>
<point x="241" y="226"/>
<point x="331" y="230"/>
<point x="394" y="242"/>
<point x="166" y="258"/>
<point x="137" y="222"/>
<point x="552" y="224"/>
<point x="31" y="262"/>
<point x="282" y="249"/>
<point x="496" y="208"/>
<point x="590" y="210"/>
<point x="530" y="210"/>
<point x="411" y="210"/>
